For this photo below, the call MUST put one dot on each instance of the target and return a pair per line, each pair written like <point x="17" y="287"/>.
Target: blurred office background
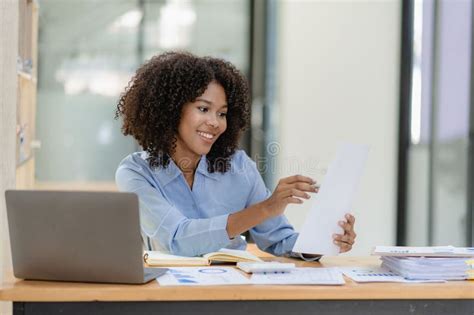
<point x="392" y="74"/>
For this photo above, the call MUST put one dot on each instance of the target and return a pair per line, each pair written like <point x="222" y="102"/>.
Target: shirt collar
<point x="202" y="169"/>
<point x="167" y="174"/>
<point x="172" y="171"/>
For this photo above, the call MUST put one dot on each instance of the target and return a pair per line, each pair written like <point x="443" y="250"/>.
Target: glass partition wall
<point x="88" y="51"/>
<point x="435" y="193"/>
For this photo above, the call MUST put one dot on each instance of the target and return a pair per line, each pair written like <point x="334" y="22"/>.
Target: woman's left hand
<point x="346" y="241"/>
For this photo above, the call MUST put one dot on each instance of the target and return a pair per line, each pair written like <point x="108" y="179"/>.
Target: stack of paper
<point x="427" y="251"/>
<point x="427" y="268"/>
<point x="426" y="263"/>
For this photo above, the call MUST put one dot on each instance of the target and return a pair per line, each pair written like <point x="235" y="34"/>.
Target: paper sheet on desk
<point x="305" y="275"/>
<point x="332" y="202"/>
<point x="196" y="276"/>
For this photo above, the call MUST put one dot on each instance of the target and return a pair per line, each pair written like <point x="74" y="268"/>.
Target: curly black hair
<point x="152" y="102"/>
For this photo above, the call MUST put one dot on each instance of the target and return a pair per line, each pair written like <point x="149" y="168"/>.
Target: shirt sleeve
<point x="166" y="224"/>
<point x="275" y="235"/>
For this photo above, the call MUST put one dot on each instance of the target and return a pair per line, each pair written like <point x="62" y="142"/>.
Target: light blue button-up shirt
<point x="188" y="222"/>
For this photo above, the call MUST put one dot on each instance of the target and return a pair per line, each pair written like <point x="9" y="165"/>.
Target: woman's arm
<point x="289" y="190"/>
<point x="273" y="233"/>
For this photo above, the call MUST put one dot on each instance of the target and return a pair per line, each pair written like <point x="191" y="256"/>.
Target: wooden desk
<point x="43" y="297"/>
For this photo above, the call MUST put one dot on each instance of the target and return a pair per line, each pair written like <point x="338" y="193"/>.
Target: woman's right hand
<point x="289" y="190"/>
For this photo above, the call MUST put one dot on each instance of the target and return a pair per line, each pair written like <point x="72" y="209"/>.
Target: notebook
<point x="157" y="258"/>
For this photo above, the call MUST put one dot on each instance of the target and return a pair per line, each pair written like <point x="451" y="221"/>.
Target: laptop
<point x="77" y="236"/>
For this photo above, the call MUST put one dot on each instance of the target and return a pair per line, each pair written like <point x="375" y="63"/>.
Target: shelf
<point x="87" y="186"/>
<point x="27" y="76"/>
<point x="27" y="92"/>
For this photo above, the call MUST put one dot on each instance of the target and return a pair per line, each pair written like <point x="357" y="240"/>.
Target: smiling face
<point x="202" y="122"/>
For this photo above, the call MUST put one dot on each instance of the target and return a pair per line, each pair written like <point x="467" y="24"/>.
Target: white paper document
<point x="377" y="274"/>
<point x="196" y="276"/>
<point x="429" y="251"/>
<point x="332" y="202"/>
<point x="305" y="275"/>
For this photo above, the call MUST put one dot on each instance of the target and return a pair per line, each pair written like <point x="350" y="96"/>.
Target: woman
<point x="197" y="192"/>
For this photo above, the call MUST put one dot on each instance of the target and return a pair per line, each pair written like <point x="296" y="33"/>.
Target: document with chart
<point x="333" y="201"/>
<point x="196" y="276"/>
